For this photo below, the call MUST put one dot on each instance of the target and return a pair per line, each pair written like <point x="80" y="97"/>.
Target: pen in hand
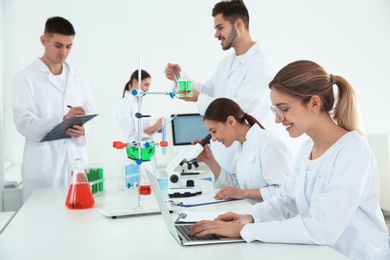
<point x="74" y="111"/>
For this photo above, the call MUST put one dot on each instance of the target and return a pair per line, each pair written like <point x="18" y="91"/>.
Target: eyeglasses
<point x="280" y="112"/>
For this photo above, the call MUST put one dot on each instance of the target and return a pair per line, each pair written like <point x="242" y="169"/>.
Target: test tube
<point x="164" y="134"/>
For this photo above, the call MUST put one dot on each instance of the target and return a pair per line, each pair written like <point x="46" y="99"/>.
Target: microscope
<point x="188" y="156"/>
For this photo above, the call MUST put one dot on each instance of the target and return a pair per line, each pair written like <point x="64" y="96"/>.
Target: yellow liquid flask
<point x="79" y="193"/>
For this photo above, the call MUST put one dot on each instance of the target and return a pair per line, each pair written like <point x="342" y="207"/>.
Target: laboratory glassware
<point x="79" y="193"/>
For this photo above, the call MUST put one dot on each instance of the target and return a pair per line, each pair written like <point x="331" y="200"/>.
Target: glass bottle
<point x="184" y="86"/>
<point x="79" y="193"/>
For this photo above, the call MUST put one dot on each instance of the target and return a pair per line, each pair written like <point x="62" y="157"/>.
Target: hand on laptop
<point x="236" y="218"/>
<point x="217" y="227"/>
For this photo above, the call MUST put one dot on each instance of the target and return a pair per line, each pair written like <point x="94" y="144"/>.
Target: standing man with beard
<point x="43" y="95"/>
<point x="242" y="76"/>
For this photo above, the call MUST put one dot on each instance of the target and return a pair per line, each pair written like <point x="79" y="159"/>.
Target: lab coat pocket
<point x="321" y="184"/>
<point x="249" y="158"/>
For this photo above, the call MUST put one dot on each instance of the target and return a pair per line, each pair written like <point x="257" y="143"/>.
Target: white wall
<point x="349" y="38"/>
<point x="1" y="112"/>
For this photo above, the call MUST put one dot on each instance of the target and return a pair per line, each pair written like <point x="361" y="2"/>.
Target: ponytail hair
<point x="303" y="79"/>
<point x="134" y="75"/>
<point x="221" y="108"/>
<point x="345" y="112"/>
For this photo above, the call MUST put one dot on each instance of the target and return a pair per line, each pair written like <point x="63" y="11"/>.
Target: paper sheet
<point x="197" y="200"/>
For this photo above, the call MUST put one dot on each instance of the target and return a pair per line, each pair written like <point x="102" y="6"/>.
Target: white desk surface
<point x="45" y="229"/>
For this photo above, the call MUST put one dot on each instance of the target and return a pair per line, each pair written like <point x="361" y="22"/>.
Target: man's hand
<point x="169" y="71"/>
<point x="195" y="94"/>
<point x="75" y="131"/>
<point x="75" y="111"/>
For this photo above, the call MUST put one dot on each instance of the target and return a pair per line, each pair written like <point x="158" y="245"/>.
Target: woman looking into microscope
<point x="262" y="161"/>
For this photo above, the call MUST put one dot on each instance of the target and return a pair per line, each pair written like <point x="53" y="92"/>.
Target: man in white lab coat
<point x="242" y="76"/>
<point x="43" y="95"/>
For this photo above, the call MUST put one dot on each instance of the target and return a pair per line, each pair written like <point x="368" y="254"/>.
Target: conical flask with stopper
<point x="79" y="193"/>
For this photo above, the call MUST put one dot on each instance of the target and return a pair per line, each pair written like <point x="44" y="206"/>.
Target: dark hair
<point x="303" y="79"/>
<point x="231" y="11"/>
<point x="59" y="25"/>
<point x="144" y="75"/>
<point x="221" y="108"/>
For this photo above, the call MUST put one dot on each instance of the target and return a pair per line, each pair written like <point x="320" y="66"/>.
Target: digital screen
<point x="188" y="127"/>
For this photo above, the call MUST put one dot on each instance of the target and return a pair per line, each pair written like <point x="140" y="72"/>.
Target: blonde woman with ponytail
<point x="332" y="198"/>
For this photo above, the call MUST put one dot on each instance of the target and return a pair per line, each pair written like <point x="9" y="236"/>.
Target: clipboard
<point x="58" y="132"/>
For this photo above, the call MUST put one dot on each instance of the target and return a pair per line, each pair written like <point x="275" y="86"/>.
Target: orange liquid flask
<point x="144" y="186"/>
<point x="144" y="189"/>
<point x="79" y="193"/>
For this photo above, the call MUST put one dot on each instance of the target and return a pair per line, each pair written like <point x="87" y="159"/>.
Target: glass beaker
<point x="79" y="193"/>
<point x="184" y="86"/>
<point x="144" y="185"/>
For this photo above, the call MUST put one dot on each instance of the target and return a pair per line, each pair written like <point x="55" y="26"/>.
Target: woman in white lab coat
<point x="262" y="161"/>
<point x="129" y="106"/>
<point x="333" y="196"/>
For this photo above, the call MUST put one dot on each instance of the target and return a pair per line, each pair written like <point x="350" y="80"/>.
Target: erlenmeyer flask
<point x="79" y="194"/>
<point x="144" y="185"/>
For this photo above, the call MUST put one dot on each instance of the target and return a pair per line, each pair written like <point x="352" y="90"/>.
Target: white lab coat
<point x="244" y="79"/>
<point x="262" y="162"/>
<point x="40" y="103"/>
<point x="125" y="115"/>
<point x="332" y="200"/>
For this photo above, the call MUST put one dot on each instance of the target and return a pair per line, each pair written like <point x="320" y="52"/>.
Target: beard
<point x="229" y="41"/>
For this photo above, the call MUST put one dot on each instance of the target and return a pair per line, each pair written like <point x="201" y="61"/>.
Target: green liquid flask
<point x="184" y="86"/>
<point x="147" y="146"/>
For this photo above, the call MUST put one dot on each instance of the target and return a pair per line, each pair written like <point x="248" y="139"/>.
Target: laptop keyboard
<point x="184" y="229"/>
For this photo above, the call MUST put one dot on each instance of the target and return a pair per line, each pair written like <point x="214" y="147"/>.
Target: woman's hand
<point x="206" y="155"/>
<point x="236" y="218"/>
<point x="230" y="192"/>
<point x="225" y="229"/>
<point x="227" y="225"/>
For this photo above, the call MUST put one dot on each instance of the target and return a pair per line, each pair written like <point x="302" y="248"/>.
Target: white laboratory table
<point x="45" y="229"/>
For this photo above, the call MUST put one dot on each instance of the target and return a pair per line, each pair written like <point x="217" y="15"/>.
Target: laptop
<point x="180" y="231"/>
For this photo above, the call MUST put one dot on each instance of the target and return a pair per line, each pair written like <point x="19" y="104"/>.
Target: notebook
<point x="178" y="231"/>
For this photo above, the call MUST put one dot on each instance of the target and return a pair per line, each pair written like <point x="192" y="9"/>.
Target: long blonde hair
<point x="303" y="79"/>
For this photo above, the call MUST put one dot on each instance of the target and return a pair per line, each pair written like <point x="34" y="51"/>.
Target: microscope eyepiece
<point x="205" y="140"/>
